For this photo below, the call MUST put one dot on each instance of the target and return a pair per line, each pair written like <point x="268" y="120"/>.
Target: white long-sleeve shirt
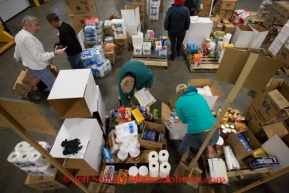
<point x="30" y="50"/>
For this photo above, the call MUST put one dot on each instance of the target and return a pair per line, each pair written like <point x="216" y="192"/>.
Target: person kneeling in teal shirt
<point x="193" y="109"/>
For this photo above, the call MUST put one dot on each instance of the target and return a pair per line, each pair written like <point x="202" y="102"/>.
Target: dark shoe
<point x="172" y="58"/>
<point x="178" y="54"/>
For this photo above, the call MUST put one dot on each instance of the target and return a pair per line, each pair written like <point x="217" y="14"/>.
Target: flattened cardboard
<point x="233" y="62"/>
<point x="276" y="128"/>
<point x="238" y="148"/>
<point x="73" y="94"/>
<point x="176" y="130"/>
<point x="276" y="147"/>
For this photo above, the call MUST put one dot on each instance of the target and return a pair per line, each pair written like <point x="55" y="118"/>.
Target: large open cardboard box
<point x="238" y="148"/>
<point x="90" y="135"/>
<point x="153" y="145"/>
<point x="214" y="87"/>
<point x="242" y="35"/>
<point x="131" y="17"/>
<point x="74" y="94"/>
<point x="274" y="105"/>
<point x="177" y="131"/>
<point x="276" y="128"/>
<point x="258" y="36"/>
<point x="255" y="124"/>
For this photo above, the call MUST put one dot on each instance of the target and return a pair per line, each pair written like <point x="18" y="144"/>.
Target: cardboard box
<point x="228" y="28"/>
<point x="138" y="2"/>
<point x="214" y="87"/>
<point x="152" y="145"/>
<point x="227" y="4"/>
<point x="219" y="26"/>
<point x="238" y="148"/>
<point x="276" y="128"/>
<point x="79" y="20"/>
<point x="79" y="7"/>
<point x="199" y="30"/>
<point x="111" y="55"/>
<point x="46" y="183"/>
<point x="273" y="106"/>
<point x="27" y="78"/>
<point x="258" y="36"/>
<point x="242" y="35"/>
<point x="74" y="94"/>
<point x="215" y="20"/>
<point x="225" y="21"/>
<point x="90" y="135"/>
<point x="85" y="172"/>
<point x="131" y="16"/>
<point x="284" y="56"/>
<point x="177" y="131"/>
<point x="20" y="86"/>
<point x="229" y="14"/>
<point x="121" y="43"/>
<point x="254" y="124"/>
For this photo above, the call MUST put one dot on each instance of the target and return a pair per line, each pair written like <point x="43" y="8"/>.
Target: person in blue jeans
<point x="30" y="52"/>
<point x="177" y="22"/>
<point x="68" y="40"/>
<point x="193" y="109"/>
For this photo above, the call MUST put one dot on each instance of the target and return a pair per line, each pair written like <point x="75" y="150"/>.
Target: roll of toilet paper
<point x="227" y="38"/>
<point x="134" y="40"/>
<point x="207" y="91"/>
<point x="13" y="158"/>
<point x="165" y="169"/>
<point x="45" y="145"/>
<point x="99" y="58"/>
<point x="23" y="160"/>
<point x="153" y="156"/>
<point x="48" y="170"/>
<point x="22" y="147"/>
<point x="163" y="156"/>
<point x="26" y="169"/>
<point x="154" y="169"/>
<point x="36" y="159"/>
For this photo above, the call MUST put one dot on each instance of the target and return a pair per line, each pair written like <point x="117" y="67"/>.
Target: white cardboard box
<point x="90" y="135"/>
<point x="258" y="36"/>
<point x="74" y="94"/>
<point x="101" y="110"/>
<point x="200" y="29"/>
<point x="242" y="35"/>
<point x="131" y="17"/>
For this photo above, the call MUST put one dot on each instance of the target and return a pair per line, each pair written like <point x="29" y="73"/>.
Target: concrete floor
<point x="12" y="179"/>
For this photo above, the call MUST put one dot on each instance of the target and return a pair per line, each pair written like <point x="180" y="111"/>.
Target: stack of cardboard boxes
<point x="141" y="6"/>
<point x="280" y="40"/>
<point x="278" y="14"/>
<point x="162" y="6"/>
<point x="264" y="8"/>
<point x="269" y="109"/>
<point x="225" y="8"/>
<point x="24" y="84"/>
<point x="206" y="8"/>
<point x="284" y="56"/>
<point x="80" y="10"/>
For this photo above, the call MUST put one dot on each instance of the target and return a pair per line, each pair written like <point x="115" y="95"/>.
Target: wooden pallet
<point x="151" y="60"/>
<point x="208" y="67"/>
<point x="260" y="51"/>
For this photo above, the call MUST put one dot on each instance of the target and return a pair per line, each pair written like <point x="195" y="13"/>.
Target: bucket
<point x="135" y="154"/>
<point x="122" y="155"/>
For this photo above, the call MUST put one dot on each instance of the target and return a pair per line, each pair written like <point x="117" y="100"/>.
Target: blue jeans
<point x="45" y="75"/>
<point x="195" y="141"/>
<point x="75" y="61"/>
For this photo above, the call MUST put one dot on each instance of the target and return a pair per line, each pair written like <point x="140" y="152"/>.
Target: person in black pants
<point x="177" y="22"/>
<point x="68" y="39"/>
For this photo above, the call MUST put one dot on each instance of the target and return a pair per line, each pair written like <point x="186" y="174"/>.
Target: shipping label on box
<point x="284" y="56"/>
<point x="255" y="124"/>
<point x="79" y="7"/>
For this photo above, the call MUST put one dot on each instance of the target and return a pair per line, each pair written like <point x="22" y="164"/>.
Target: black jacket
<point x="68" y="38"/>
<point x="177" y="18"/>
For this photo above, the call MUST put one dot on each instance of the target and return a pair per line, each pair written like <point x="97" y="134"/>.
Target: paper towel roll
<point x="153" y="156"/>
<point x="134" y="40"/>
<point x="227" y="38"/>
<point x="22" y="147"/>
<point x="163" y="156"/>
<point x="36" y="159"/>
<point x="228" y="157"/>
<point x="207" y="91"/>
<point x="154" y="169"/>
<point x="165" y="169"/>
<point x="48" y="170"/>
<point x="45" y="145"/>
<point x="13" y="158"/>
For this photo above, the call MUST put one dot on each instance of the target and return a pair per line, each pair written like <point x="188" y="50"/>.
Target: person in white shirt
<point x="30" y="51"/>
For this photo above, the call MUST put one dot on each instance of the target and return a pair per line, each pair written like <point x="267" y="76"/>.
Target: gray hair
<point x="28" y="18"/>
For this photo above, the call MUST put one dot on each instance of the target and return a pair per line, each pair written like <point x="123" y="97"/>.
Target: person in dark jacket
<point x="177" y="22"/>
<point x="193" y="6"/>
<point x="68" y="39"/>
<point x="193" y="109"/>
<point x="133" y="75"/>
